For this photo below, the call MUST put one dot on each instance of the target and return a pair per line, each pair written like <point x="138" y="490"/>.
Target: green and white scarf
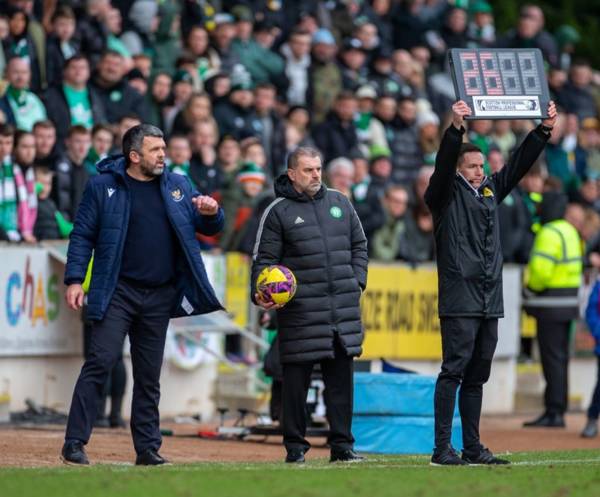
<point x="8" y="200"/>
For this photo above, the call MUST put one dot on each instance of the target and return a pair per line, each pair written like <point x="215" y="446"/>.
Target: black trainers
<point x="546" y="420"/>
<point x="150" y="458"/>
<point x="295" y="456"/>
<point x="73" y="453"/>
<point x="485" y="456"/>
<point x="446" y="457"/>
<point x="345" y="456"/>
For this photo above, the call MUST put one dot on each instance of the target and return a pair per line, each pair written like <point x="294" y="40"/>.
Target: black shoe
<point x="484" y="456"/>
<point x="591" y="429"/>
<point x="546" y="420"/>
<point x="295" y="456"/>
<point x="446" y="457"/>
<point x="102" y="422"/>
<point x="347" y="455"/>
<point x="117" y="422"/>
<point x="73" y="453"/>
<point x="150" y="458"/>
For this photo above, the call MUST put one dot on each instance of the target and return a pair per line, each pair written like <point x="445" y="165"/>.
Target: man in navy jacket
<point x="140" y="221"/>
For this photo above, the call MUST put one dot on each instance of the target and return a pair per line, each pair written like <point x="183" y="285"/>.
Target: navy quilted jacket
<point x="101" y="226"/>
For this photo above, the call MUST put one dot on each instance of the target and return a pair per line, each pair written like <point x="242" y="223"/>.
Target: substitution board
<point x="501" y="83"/>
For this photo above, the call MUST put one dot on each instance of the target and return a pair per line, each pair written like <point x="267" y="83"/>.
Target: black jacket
<point x="119" y="100"/>
<point x="334" y="138"/>
<point x="467" y="231"/>
<point x="60" y="114"/>
<point x="321" y="241"/>
<point x="68" y="185"/>
<point x="46" y="227"/>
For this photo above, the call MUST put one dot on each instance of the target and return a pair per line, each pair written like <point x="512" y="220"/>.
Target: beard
<point x="152" y="171"/>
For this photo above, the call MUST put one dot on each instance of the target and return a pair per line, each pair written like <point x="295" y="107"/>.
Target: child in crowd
<point x="50" y="223"/>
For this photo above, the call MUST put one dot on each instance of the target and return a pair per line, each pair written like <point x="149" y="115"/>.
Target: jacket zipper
<point x="330" y="282"/>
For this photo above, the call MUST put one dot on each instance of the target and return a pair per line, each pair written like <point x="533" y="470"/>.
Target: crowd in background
<point x="237" y="85"/>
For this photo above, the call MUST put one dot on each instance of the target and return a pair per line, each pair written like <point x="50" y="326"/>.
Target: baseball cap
<point x="480" y="7"/>
<point x="353" y="44"/>
<point x="183" y="76"/>
<point x="323" y="36"/>
<point x="366" y="91"/>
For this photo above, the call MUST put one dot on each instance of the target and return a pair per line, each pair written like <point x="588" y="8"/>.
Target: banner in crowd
<point x="34" y="318"/>
<point x="400" y="314"/>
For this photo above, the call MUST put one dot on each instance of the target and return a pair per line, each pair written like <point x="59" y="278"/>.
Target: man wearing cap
<point x="369" y="129"/>
<point x="325" y="81"/>
<point x="262" y="64"/>
<point x="354" y="70"/>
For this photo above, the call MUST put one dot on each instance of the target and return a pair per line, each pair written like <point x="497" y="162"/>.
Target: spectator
<point x="179" y="154"/>
<point x="223" y="36"/>
<point x="114" y="27"/>
<point x="183" y="88"/>
<point x="530" y="33"/>
<point x="21" y="106"/>
<point x="157" y="99"/>
<point x="143" y="21"/>
<point x="587" y="153"/>
<point x="74" y="102"/>
<point x="126" y="122"/>
<point x="228" y="159"/>
<point x="325" y="77"/>
<point x="481" y="30"/>
<point x="61" y="44"/>
<point x="137" y="81"/>
<point x="206" y="58"/>
<point x="296" y="53"/>
<point x="336" y="136"/>
<point x="71" y="176"/>
<point x="24" y="155"/>
<point x="117" y="96"/>
<point x="238" y="208"/>
<point x="386" y="240"/>
<point x="9" y="202"/>
<point x="50" y="223"/>
<point x="576" y="95"/>
<point x="20" y="44"/>
<point x="560" y="154"/>
<point x="340" y="175"/>
<point x="369" y="130"/>
<point x="264" y="65"/>
<point x="198" y="108"/>
<point x="428" y="124"/>
<point x="513" y="217"/>
<point x="407" y="156"/>
<point x="567" y="37"/>
<point x="203" y="164"/>
<point x="353" y="58"/>
<point x="272" y="134"/>
<point x="46" y="153"/>
<point x="236" y="116"/>
<point x="102" y="142"/>
<point x="503" y="137"/>
<point x="253" y="151"/>
<point x="92" y="32"/>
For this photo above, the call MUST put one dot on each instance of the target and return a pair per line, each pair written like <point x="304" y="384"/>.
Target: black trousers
<point x="143" y="314"/>
<point x="115" y="382"/>
<point x="594" y="409"/>
<point x="468" y="346"/>
<point x="338" y="396"/>
<point x="553" y="339"/>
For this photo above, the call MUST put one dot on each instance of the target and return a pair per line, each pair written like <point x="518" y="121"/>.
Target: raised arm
<point x="524" y="157"/>
<point x="441" y="183"/>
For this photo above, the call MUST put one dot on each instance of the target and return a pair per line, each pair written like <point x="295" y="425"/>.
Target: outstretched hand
<point x="460" y="110"/>
<point x="267" y="306"/>
<point x="550" y="121"/>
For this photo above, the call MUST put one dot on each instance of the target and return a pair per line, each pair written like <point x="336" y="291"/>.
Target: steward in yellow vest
<point x="555" y="269"/>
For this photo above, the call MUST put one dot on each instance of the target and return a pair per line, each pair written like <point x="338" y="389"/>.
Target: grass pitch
<point x="547" y="474"/>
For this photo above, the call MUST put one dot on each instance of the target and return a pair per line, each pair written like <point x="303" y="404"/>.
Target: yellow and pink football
<point x="276" y="284"/>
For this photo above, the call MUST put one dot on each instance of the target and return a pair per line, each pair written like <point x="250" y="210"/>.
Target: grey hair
<point x="294" y="157"/>
<point x="134" y="138"/>
<point x="340" y="163"/>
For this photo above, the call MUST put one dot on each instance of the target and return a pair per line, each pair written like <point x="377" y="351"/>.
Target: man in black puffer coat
<point x="316" y="233"/>
<point x="464" y="204"/>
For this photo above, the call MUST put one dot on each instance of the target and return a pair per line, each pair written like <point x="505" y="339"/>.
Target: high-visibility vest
<point x="555" y="266"/>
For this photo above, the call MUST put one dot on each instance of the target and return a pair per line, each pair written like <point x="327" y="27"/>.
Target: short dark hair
<point x="7" y="130"/>
<point x="75" y="58"/>
<point x="46" y="123"/>
<point x="77" y="129"/>
<point x="134" y="138"/>
<point x="294" y="158"/>
<point x="63" y="12"/>
<point x="466" y="148"/>
<point x="20" y="134"/>
<point x="101" y="127"/>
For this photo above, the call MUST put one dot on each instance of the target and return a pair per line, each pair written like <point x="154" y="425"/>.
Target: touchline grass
<point x="536" y="474"/>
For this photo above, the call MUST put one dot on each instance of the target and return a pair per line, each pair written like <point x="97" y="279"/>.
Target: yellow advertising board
<point x="400" y="313"/>
<point x="237" y="288"/>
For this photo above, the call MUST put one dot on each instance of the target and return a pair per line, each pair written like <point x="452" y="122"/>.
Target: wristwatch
<point x="546" y="129"/>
